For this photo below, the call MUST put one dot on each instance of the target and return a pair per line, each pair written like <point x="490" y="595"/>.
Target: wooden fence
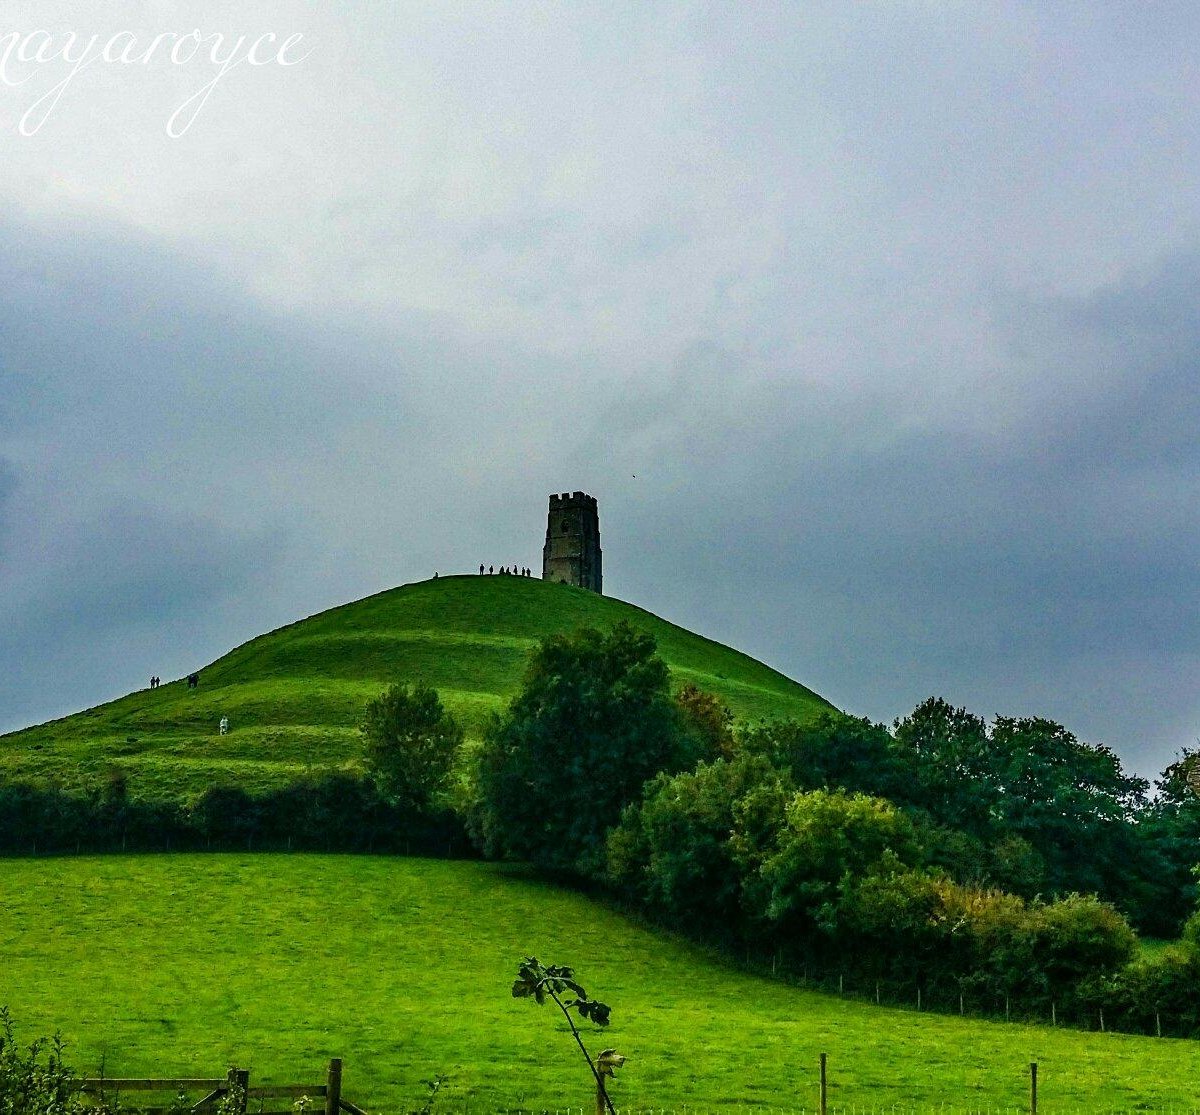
<point x="235" y="1082"/>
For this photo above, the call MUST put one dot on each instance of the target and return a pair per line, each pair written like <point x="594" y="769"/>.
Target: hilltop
<point x="294" y="696"/>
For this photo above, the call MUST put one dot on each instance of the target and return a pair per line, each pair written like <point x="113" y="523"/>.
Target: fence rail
<point x="235" y="1083"/>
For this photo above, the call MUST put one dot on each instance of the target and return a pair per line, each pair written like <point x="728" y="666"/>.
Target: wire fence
<point x="850" y="1109"/>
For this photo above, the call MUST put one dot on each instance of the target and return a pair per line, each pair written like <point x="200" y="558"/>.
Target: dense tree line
<point x="993" y="864"/>
<point x="332" y="812"/>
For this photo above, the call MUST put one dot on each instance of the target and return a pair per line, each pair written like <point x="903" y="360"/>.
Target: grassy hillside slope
<point x="294" y="696"/>
<point x="183" y="965"/>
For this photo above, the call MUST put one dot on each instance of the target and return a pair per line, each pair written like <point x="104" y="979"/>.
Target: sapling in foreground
<point x="556" y="981"/>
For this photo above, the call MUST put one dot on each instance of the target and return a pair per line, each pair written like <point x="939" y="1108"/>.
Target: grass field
<point x="182" y="965"/>
<point x="294" y="697"/>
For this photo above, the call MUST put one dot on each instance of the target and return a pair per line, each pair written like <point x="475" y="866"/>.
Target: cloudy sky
<point x="874" y="328"/>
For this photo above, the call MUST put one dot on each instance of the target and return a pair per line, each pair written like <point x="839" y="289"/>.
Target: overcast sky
<point x="874" y="328"/>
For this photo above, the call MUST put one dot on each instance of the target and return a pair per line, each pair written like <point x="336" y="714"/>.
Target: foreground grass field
<point x="294" y="697"/>
<point x="182" y="965"/>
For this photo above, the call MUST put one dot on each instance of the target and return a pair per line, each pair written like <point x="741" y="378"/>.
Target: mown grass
<point x="182" y="965"/>
<point x="295" y="696"/>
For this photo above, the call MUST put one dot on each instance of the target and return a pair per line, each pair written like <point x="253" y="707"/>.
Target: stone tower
<point x="572" y="551"/>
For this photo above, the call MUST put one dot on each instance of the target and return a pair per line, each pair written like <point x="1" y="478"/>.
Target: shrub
<point x="36" y="1081"/>
<point x="1075" y="938"/>
<point x="991" y="942"/>
<point x="892" y="921"/>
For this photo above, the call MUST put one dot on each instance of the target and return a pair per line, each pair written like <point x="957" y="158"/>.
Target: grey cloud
<point x="8" y="487"/>
<point x="131" y="564"/>
<point x="111" y="599"/>
<point x="1048" y="567"/>
<point x="197" y="467"/>
<point x="837" y="285"/>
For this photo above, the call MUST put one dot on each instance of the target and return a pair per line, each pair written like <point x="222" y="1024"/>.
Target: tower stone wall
<point x="571" y="554"/>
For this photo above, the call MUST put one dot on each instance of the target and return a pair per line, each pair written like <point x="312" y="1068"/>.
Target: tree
<point x="827" y="837"/>
<point x="1168" y="831"/>
<point x="411" y="743"/>
<point x="835" y="751"/>
<point x="950" y="755"/>
<point x="708" y="719"/>
<point x="593" y="722"/>
<point x="1077" y="937"/>
<point x="674" y="851"/>
<point x="1063" y="795"/>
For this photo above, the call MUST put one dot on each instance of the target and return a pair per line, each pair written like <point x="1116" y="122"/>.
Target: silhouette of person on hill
<point x="481" y="570"/>
<point x="491" y="569"/>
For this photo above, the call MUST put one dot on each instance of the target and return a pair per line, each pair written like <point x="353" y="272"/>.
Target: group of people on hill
<point x="506" y="570"/>
<point x="193" y="681"/>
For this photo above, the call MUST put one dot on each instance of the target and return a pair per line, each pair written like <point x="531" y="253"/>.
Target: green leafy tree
<point x="835" y="752"/>
<point x="955" y="777"/>
<point x="1168" y="832"/>
<point x="1031" y="779"/>
<point x="594" y="721"/>
<point x="411" y="743"/>
<point x="825" y="838"/>
<point x="673" y="850"/>
<point x="1063" y="795"/>
<point x="891" y="920"/>
<point x="991" y="942"/>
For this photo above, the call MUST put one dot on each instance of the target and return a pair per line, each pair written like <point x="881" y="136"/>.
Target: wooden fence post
<point x="239" y="1080"/>
<point x="824" y="1086"/>
<point x="333" y="1086"/>
<point x="1033" y="1088"/>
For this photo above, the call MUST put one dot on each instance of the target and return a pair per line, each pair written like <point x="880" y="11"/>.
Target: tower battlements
<point x="572" y="554"/>
<point x="571" y="497"/>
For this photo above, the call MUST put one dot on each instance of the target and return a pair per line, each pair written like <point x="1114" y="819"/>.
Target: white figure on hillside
<point x="224" y="725"/>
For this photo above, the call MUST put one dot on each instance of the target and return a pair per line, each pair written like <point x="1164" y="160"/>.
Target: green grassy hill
<point x="182" y="965"/>
<point x="294" y="696"/>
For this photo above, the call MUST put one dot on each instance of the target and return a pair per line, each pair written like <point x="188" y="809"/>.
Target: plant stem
<point x="583" y="1049"/>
